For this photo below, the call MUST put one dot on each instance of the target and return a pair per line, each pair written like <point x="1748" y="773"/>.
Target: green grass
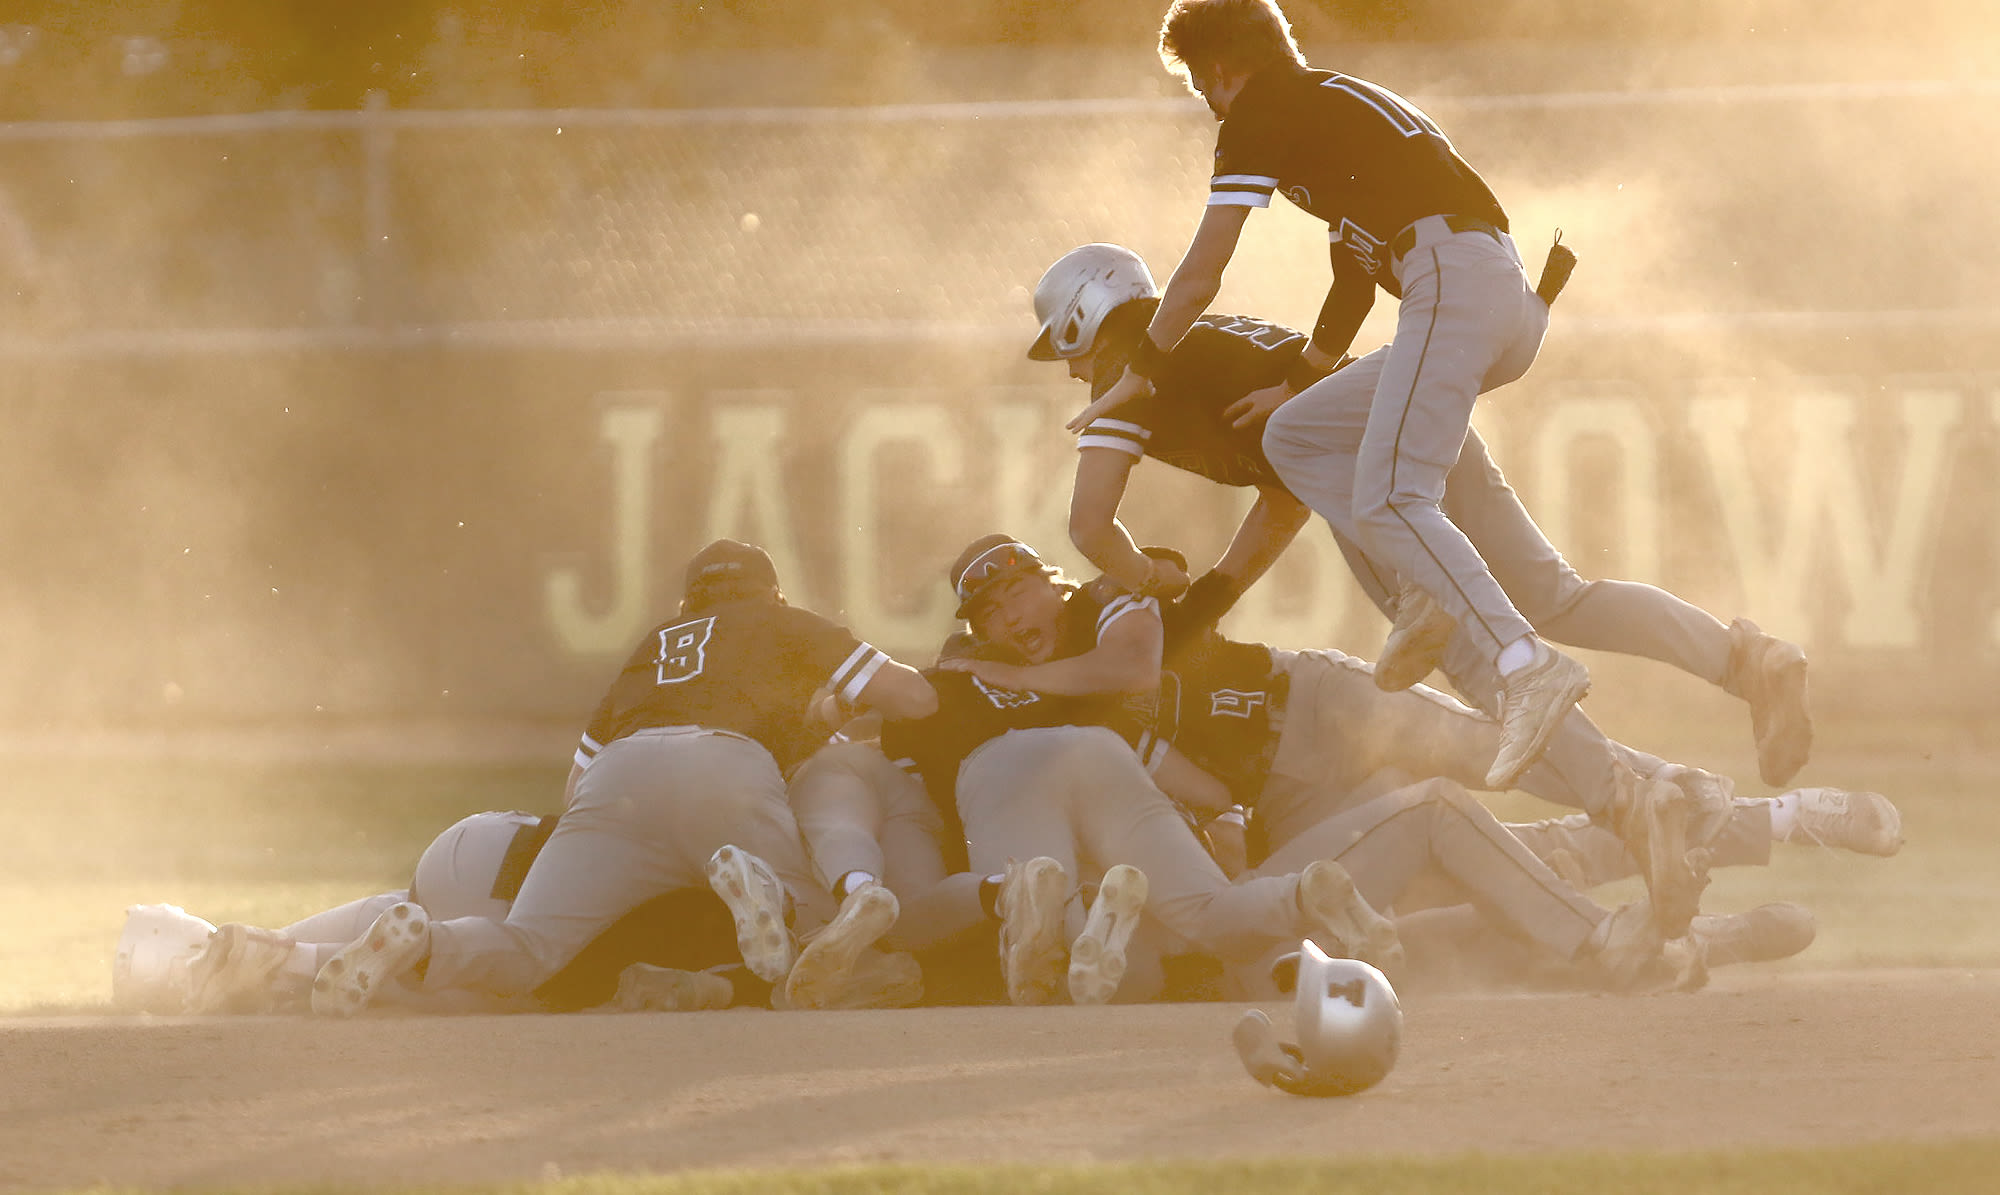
<point x="1859" y="1170"/>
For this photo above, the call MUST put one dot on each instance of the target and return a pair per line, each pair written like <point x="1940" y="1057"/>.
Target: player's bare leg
<point x="1097" y="957"/>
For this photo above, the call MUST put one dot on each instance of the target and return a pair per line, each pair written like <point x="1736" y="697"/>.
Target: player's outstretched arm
<point x="1101" y="476"/>
<point x="1194" y="285"/>
<point x="1126" y="659"/>
<point x="1268" y="528"/>
<point x="900" y="692"/>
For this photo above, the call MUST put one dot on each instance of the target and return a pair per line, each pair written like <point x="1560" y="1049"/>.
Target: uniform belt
<point x="1440" y="227"/>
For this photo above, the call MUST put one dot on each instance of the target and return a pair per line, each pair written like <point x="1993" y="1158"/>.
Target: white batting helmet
<point x="149" y="972"/>
<point x="1350" y="1028"/>
<point x="1075" y="294"/>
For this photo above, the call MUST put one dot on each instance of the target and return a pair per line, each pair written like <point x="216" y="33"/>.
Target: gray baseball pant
<point x="1370" y="446"/>
<point x="859" y="812"/>
<point x="1436" y="831"/>
<point x="1337" y="729"/>
<point x="646" y="816"/>
<point x="1078" y="795"/>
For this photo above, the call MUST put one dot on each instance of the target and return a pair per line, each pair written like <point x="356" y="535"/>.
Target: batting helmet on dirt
<point x="1349" y="1023"/>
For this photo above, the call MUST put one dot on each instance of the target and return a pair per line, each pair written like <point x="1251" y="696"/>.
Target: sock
<point x="1784" y="816"/>
<point x="1516" y="655"/>
<point x="849" y="883"/>
<point x="989" y="895"/>
<point x="302" y="963"/>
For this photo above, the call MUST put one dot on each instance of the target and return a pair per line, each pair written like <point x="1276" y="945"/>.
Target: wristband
<point x="1148" y="358"/>
<point x="1303" y="373"/>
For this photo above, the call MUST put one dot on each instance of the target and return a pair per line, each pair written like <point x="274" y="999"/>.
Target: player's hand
<point x="1228" y="844"/>
<point x="1124" y="390"/>
<point x="824" y="709"/>
<point x="993" y="672"/>
<point x="1164" y="580"/>
<point x="1256" y="406"/>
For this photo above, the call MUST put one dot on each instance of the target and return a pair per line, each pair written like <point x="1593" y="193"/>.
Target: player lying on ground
<point x="1093" y="304"/>
<point x="678" y="784"/>
<point x="677" y="950"/>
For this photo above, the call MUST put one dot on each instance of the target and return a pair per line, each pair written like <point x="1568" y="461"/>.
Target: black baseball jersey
<point x="749" y="667"/>
<point x="1223" y="693"/>
<point x="970" y="712"/>
<point x="1221" y="359"/>
<point x="1353" y="153"/>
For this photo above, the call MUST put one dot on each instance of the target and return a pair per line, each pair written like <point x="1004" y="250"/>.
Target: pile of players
<point x="1092" y="793"/>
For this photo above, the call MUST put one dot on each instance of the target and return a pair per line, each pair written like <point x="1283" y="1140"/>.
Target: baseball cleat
<point x="352" y="979"/>
<point x="1342" y="922"/>
<point x="1764" y="934"/>
<point x="1032" y="899"/>
<point x="1097" y="957"/>
<point x="643" y="987"/>
<point x="1864" y="822"/>
<point x="756" y="899"/>
<point x="826" y="964"/>
<point x="1626" y="943"/>
<point x="235" y="971"/>
<point x="1533" y="703"/>
<point x="878" y="979"/>
<point x="1416" y="642"/>
<point x="1770" y="674"/>
<point x="1651" y="818"/>
<point x="1712" y="800"/>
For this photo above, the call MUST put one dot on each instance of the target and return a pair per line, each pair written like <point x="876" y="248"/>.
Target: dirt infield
<point x="1802" y="1059"/>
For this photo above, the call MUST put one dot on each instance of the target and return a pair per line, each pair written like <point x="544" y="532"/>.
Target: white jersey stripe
<point x="1238" y="199"/>
<point x="1115" y="443"/>
<point x="851" y="691"/>
<point x="1120" y="425"/>
<point x="583" y="759"/>
<point x="1255" y="180"/>
<point x="1119" y="607"/>
<point x="854" y="660"/>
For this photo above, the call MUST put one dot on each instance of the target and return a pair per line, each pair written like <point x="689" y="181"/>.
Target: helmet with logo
<point x="1077" y="293"/>
<point x="1349" y="1023"/>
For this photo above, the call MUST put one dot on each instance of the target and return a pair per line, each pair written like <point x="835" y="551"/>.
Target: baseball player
<point x="1092" y="305"/>
<point x="1031" y="756"/>
<point x="1369" y="448"/>
<point x="679" y="780"/>
<point x="670" y="952"/>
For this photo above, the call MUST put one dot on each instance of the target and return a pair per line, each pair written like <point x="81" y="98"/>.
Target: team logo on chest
<point x="1366" y="248"/>
<point x="1005" y="699"/>
<point x="1235" y="703"/>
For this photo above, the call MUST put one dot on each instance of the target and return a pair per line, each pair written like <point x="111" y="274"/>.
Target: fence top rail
<point x="379" y="117"/>
<point x="668" y="334"/>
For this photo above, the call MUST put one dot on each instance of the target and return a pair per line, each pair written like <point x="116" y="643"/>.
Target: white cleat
<point x="1032" y="898"/>
<point x="1342" y="922"/>
<point x="235" y="972"/>
<point x="352" y="979"/>
<point x="643" y="987"/>
<point x="1863" y="822"/>
<point x="1533" y="703"/>
<point x="756" y="899"/>
<point x="825" y="969"/>
<point x="1097" y="957"/>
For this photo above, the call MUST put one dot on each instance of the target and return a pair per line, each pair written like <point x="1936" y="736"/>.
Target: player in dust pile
<point x="678" y="781"/>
